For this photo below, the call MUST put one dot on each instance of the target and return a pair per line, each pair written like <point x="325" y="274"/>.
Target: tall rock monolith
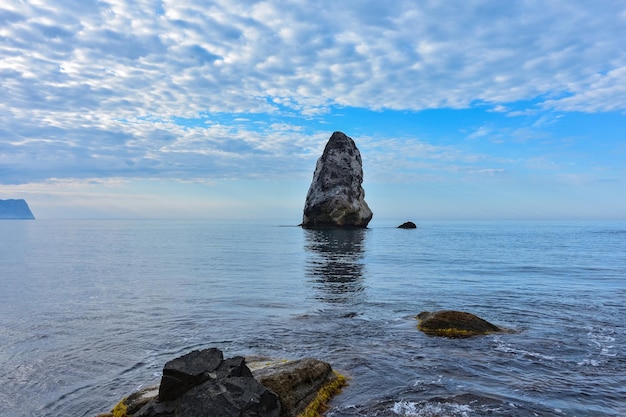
<point x="336" y="198"/>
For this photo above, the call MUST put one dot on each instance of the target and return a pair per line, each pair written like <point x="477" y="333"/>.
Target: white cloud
<point x="121" y="56"/>
<point x="599" y="93"/>
<point x="480" y="132"/>
<point x="91" y="88"/>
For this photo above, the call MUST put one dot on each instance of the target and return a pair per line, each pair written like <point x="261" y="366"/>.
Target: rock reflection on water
<point x="335" y="264"/>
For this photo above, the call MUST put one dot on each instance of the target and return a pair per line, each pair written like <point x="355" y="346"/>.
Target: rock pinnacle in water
<point x="336" y="198"/>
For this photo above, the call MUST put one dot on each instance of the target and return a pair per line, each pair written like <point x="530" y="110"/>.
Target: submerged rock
<point x="336" y="198"/>
<point x="449" y="323"/>
<point x="15" y="209"/>
<point x="202" y="383"/>
<point x="407" y="225"/>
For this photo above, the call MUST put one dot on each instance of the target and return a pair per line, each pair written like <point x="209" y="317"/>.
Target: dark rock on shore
<point x="202" y="383"/>
<point x="227" y="397"/>
<point x="455" y="324"/>
<point x="15" y="209"/>
<point x="184" y="373"/>
<point x="407" y="225"/>
<point x="336" y="198"/>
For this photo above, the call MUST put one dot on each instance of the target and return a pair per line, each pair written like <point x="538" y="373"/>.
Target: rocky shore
<point x="203" y="383"/>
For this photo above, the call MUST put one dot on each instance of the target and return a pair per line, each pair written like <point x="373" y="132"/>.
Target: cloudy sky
<point x="462" y="109"/>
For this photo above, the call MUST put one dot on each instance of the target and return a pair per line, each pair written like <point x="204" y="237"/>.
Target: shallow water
<point x="91" y="310"/>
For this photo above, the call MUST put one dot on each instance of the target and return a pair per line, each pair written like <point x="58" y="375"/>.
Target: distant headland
<point x="15" y="209"/>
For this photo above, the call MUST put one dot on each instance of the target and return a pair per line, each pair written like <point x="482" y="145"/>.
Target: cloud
<point x="602" y="92"/>
<point x="110" y="88"/>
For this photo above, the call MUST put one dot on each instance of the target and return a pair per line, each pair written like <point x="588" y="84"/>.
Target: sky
<point x="461" y="109"/>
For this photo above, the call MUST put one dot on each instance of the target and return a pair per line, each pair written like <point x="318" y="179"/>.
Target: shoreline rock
<point x="203" y="383"/>
<point x="336" y="198"/>
<point x="297" y="383"/>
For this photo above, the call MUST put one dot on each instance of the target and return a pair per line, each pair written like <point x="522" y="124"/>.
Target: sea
<point x="91" y="310"/>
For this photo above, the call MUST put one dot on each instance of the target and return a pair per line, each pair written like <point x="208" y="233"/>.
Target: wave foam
<point x="508" y="348"/>
<point x="411" y="409"/>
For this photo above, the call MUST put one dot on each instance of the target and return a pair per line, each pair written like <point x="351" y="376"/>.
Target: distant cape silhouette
<point x="15" y="209"/>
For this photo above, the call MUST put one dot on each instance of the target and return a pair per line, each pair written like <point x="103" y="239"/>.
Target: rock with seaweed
<point x="202" y="383"/>
<point x="454" y="324"/>
<point x="336" y="198"/>
<point x="303" y="386"/>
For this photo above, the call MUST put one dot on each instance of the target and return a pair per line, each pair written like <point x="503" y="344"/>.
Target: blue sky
<point x="219" y="109"/>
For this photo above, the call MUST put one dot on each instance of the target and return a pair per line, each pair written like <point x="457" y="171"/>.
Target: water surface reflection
<point x="335" y="264"/>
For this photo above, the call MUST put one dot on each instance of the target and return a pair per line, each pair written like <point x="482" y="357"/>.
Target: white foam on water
<point x="412" y="409"/>
<point x="601" y="339"/>
<point x="508" y="348"/>
<point x="588" y="362"/>
<point x="421" y="384"/>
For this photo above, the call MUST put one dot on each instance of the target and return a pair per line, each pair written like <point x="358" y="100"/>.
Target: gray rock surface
<point x="15" y="209"/>
<point x="336" y="198"/>
<point x="232" y="396"/>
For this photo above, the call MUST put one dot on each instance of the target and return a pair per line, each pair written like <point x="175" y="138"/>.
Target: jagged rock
<point x="336" y="197"/>
<point x="202" y="383"/>
<point x="212" y="386"/>
<point x="407" y="225"/>
<point x="15" y="209"/>
<point x="184" y="373"/>
<point x="450" y="323"/>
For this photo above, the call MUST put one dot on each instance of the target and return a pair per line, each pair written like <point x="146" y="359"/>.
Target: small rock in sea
<point x="407" y="225"/>
<point x="455" y="324"/>
<point x="336" y="198"/>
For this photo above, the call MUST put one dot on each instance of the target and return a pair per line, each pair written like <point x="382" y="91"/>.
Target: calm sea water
<point x="90" y="311"/>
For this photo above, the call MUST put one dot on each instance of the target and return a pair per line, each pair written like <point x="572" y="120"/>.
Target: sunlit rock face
<point x="336" y="198"/>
